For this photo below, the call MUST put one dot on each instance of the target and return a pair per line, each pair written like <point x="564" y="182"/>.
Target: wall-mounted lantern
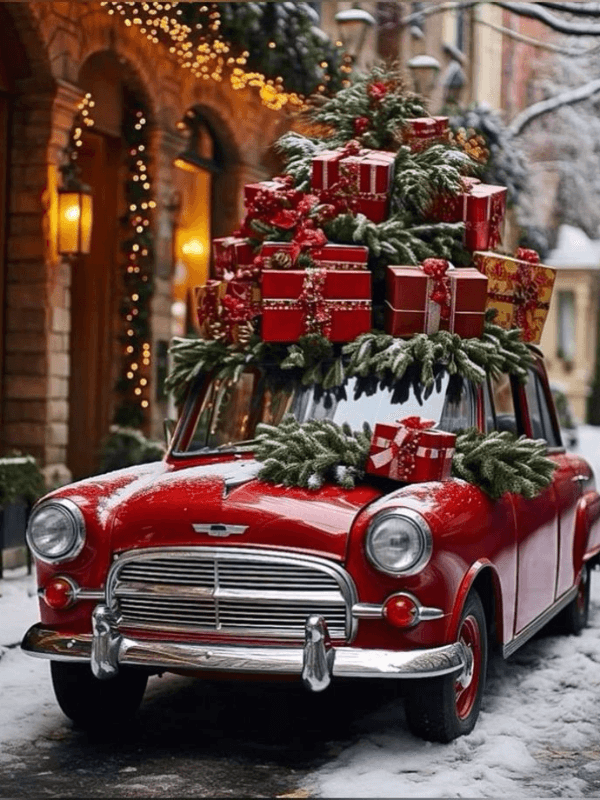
<point x="75" y="212"/>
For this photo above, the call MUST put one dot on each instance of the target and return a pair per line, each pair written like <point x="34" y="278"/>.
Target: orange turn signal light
<point x="59" y="593"/>
<point x="401" y="611"/>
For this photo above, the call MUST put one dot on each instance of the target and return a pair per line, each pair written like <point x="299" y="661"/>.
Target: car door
<point x="567" y="487"/>
<point x="536" y="520"/>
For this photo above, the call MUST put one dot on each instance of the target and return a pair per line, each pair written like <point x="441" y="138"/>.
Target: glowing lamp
<point x="74" y="211"/>
<point x="353" y="25"/>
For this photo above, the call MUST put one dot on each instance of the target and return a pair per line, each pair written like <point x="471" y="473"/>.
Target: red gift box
<point x="421" y="132"/>
<point x="481" y="207"/>
<point x="411" y="450"/>
<point x="230" y="254"/>
<point x="330" y="256"/>
<point x="272" y="187"/>
<point x="410" y="307"/>
<point x="371" y="173"/>
<point x="336" y="304"/>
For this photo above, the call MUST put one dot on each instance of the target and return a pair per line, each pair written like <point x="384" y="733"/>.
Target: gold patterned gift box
<point x="520" y="289"/>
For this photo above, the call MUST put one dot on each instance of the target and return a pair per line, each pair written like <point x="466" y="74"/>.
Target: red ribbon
<point x="524" y="254"/>
<point x="436" y="269"/>
<point x="316" y="312"/>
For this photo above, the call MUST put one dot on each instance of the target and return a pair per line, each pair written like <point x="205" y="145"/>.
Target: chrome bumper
<point x="107" y="649"/>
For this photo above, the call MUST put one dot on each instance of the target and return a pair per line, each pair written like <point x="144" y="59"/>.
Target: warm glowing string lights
<point x="134" y="384"/>
<point x="202" y="49"/>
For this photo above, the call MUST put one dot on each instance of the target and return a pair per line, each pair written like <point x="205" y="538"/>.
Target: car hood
<point x="177" y="505"/>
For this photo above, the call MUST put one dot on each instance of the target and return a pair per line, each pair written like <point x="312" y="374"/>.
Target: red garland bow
<point x="526" y="296"/>
<point x="436" y="268"/>
<point x="525" y="254"/>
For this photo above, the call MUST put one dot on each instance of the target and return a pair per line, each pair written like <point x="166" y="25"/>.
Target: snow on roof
<point x="574" y="250"/>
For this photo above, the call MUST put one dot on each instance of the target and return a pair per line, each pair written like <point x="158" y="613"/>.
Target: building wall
<point x="58" y="38"/>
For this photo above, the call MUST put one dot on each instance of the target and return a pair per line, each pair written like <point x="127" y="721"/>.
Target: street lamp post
<point x="424" y="70"/>
<point x="353" y="25"/>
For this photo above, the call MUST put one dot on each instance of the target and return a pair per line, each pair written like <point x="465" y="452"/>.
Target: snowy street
<point x="538" y="734"/>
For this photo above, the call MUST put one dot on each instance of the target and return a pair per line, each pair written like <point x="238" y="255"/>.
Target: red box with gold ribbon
<point x="433" y="297"/>
<point x="283" y="255"/>
<point x="421" y="132"/>
<point x="520" y="289"/>
<point x="411" y="450"/>
<point x="230" y="254"/>
<point x="333" y="303"/>
<point x="226" y="309"/>
<point x="481" y="207"/>
<point x="276" y="187"/>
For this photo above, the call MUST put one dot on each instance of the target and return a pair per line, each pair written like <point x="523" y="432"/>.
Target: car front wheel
<point x="440" y="709"/>
<point x="92" y="703"/>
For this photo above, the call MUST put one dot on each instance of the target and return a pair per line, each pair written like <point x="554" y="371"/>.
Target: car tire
<point x="92" y="703"/>
<point x="441" y="709"/>
<point x="574" y="618"/>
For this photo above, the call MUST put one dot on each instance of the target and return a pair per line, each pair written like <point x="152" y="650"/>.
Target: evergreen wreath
<point x="309" y="454"/>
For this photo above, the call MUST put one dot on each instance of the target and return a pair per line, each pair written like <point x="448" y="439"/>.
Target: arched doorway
<point x="96" y="281"/>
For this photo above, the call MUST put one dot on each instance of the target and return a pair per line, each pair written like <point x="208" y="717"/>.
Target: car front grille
<point x="230" y="591"/>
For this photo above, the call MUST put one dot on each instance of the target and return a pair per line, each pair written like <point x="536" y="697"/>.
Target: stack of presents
<point x="306" y="284"/>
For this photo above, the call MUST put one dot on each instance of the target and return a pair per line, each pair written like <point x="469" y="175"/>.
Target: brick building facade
<point x="60" y="331"/>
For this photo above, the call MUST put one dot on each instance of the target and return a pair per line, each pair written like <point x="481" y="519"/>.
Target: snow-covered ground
<point x="540" y="713"/>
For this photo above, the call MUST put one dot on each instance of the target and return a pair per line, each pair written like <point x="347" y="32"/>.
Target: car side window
<point x="488" y="408"/>
<point x="504" y="404"/>
<point x="539" y="413"/>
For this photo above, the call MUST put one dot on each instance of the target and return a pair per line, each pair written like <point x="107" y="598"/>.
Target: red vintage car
<point x="194" y="566"/>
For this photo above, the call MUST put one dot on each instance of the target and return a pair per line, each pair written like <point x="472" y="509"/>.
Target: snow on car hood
<point x="159" y="508"/>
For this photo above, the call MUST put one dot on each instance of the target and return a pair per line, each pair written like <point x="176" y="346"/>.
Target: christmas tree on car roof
<point x="375" y="254"/>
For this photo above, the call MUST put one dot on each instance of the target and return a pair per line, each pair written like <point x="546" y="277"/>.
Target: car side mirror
<point x="168" y="430"/>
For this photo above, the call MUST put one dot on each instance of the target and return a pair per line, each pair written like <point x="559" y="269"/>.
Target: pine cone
<point x="281" y="260"/>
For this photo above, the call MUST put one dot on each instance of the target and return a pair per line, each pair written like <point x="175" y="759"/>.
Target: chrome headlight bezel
<point x="71" y="512"/>
<point x="418" y="526"/>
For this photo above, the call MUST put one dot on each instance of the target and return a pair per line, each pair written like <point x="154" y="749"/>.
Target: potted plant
<point x="21" y="483"/>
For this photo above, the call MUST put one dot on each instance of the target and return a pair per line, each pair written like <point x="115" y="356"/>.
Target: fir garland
<point x="20" y="479"/>
<point x="138" y="275"/>
<point x="502" y="462"/>
<point x="311" y="453"/>
<point x="378" y="356"/>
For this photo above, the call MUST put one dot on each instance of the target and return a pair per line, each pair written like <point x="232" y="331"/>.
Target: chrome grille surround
<point x="232" y="591"/>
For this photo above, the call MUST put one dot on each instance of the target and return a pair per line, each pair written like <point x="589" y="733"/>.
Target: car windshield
<point x="223" y="414"/>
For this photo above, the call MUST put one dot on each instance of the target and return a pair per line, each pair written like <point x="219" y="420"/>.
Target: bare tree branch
<point x="531" y="10"/>
<point x="554" y="48"/>
<point x="569" y="97"/>
<point x="583" y="9"/>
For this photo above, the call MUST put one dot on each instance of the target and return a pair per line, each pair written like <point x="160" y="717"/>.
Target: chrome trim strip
<point x="180" y="592"/>
<point x="240" y="554"/>
<point x="347" y="661"/>
<point x="375" y="611"/>
<point x="367" y="611"/>
<point x="538" y="623"/>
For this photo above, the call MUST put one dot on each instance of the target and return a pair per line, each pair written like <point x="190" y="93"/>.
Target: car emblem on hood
<point x="219" y="529"/>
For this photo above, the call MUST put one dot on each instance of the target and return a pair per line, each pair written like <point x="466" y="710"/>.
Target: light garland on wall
<point x="134" y="382"/>
<point x="203" y="50"/>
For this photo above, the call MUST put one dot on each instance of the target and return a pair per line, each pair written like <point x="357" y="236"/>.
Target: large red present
<point x="481" y="207"/>
<point x="226" y="308"/>
<point x="230" y="254"/>
<point x="283" y="255"/>
<point x="421" y="132"/>
<point x="411" y="450"/>
<point x="433" y="297"/>
<point x="278" y="187"/>
<point x="335" y="304"/>
<point x="363" y="175"/>
<point x="520" y="289"/>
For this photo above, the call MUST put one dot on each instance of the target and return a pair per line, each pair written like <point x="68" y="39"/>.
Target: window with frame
<point x="565" y="346"/>
<point x="540" y="417"/>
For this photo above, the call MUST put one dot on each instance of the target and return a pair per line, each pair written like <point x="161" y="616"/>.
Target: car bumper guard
<point x="317" y="662"/>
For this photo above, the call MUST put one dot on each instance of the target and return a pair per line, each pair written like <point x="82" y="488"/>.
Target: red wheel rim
<point x="468" y="683"/>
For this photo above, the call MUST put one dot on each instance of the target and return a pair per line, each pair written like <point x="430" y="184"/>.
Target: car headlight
<point x="56" y="531"/>
<point x="399" y="542"/>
